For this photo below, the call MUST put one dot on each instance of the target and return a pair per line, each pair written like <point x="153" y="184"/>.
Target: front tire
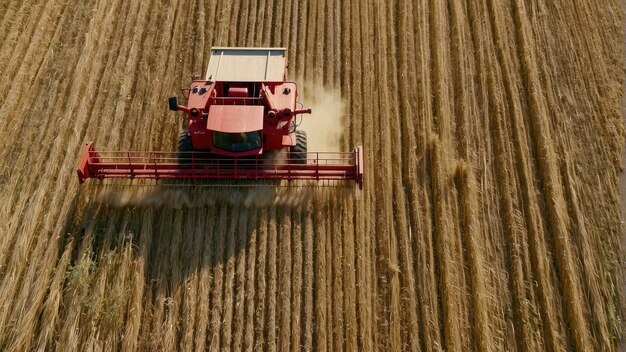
<point x="298" y="152"/>
<point x="185" y="147"/>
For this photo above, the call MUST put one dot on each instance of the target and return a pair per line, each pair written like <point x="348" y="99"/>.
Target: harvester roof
<point x="247" y="64"/>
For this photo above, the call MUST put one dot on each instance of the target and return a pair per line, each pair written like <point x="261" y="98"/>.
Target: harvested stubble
<point x="491" y="214"/>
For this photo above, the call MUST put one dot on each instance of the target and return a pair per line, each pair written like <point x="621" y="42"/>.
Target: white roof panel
<point x="246" y="64"/>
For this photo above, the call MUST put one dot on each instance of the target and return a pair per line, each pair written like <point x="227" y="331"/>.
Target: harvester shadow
<point x="186" y="235"/>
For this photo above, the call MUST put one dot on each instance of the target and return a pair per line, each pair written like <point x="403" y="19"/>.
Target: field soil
<point x="491" y="216"/>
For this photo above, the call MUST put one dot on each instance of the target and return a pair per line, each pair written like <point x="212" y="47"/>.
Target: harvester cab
<point x="243" y="111"/>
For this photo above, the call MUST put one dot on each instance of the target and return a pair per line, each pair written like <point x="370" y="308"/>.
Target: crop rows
<point x="490" y="218"/>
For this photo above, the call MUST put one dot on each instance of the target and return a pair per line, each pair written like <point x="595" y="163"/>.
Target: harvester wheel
<point x="298" y="151"/>
<point x="184" y="149"/>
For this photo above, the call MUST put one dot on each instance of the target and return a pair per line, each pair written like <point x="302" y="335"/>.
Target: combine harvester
<point x="242" y="125"/>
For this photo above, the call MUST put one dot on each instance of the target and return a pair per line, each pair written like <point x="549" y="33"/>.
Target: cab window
<point x="237" y="142"/>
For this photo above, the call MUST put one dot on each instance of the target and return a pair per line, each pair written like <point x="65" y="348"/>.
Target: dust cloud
<point x="324" y="126"/>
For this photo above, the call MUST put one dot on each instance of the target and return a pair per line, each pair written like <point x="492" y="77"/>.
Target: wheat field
<point x="490" y="219"/>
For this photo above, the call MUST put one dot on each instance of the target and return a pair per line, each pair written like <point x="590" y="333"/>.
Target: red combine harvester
<point x="242" y="125"/>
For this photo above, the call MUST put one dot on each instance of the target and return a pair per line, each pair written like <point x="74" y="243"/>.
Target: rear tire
<point x="298" y="152"/>
<point x="185" y="147"/>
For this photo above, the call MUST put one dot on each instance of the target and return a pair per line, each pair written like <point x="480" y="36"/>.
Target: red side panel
<point x="83" y="168"/>
<point x="284" y="95"/>
<point x="289" y="139"/>
<point x="359" y="166"/>
<point x="199" y="94"/>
